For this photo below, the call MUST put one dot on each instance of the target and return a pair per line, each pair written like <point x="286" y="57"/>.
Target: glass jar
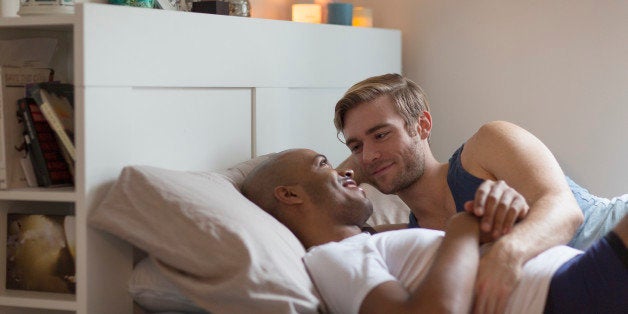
<point x="239" y="8"/>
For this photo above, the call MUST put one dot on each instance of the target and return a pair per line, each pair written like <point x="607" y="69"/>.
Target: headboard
<point x="204" y="95"/>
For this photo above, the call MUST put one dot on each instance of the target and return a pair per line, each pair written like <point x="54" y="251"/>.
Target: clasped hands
<point x="498" y="207"/>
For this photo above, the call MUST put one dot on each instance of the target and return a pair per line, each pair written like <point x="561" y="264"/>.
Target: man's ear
<point x="424" y="127"/>
<point x="290" y="195"/>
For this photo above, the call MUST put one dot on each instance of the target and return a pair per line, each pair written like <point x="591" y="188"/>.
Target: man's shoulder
<point x="492" y="136"/>
<point x="497" y="128"/>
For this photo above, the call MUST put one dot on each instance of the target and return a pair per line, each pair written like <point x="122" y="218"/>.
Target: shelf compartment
<point x="39" y="300"/>
<point x="61" y="194"/>
<point x="47" y="22"/>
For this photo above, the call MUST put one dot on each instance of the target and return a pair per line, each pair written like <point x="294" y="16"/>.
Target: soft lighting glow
<point x="362" y="17"/>
<point x="308" y="13"/>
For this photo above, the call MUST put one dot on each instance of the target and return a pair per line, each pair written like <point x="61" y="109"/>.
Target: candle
<point x="362" y="17"/>
<point x="307" y="12"/>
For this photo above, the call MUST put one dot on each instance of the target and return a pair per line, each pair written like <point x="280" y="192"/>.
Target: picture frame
<point x="40" y="253"/>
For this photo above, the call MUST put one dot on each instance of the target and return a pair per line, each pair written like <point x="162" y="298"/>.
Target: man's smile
<point x="380" y="169"/>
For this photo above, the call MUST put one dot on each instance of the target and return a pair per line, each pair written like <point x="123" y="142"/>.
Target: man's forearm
<point x="448" y="287"/>
<point x="551" y="221"/>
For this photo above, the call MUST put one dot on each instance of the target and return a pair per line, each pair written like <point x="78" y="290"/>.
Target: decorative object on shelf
<point x="362" y="17"/>
<point x="184" y="5"/>
<point x="134" y="3"/>
<point x="213" y="7"/>
<point x="166" y="5"/>
<point x="339" y="13"/>
<point x="37" y="7"/>
<point x="9" y="8"/>
<point x="41" y="253"/>
<point x="307" y="12"/>
<point x="323" y="4"/>
<point x="240" y="8"/>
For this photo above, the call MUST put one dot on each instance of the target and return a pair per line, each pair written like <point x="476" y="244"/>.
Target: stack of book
<point x="45" y="150"/>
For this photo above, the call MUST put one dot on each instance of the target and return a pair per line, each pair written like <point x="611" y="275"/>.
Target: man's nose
<point x="369" y="154"/>
<point x="346" y="173"/>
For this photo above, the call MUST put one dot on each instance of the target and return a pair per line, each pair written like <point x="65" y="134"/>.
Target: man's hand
<point x="498" y="275"/>
<point x="499" y="205"/>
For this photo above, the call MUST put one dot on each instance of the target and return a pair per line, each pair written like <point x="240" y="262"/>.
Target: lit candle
<point x="362" y="17"/>
<point x="308" y="13"/>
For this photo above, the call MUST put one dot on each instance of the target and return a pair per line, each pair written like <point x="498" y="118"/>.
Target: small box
<point x="212" y="7"/>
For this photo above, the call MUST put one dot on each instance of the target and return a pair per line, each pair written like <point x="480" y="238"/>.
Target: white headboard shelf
<point x="185" y="91"/>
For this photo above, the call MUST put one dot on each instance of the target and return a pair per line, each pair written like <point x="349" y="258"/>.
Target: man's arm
<point x="503" y="151"/>
<point x="448" y="286"/>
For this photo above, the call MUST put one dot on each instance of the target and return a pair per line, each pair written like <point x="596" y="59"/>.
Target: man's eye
<point x="355" y="148"/>
<point x="324" y="162"/>
<point x="381" y="135"/>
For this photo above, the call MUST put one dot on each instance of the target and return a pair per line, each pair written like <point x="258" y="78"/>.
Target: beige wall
<point x="558" y="68"/>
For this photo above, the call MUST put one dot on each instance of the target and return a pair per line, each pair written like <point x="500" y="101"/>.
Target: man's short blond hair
<point x="409" y="99"/>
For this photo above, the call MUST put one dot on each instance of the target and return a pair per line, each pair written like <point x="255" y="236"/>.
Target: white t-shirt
<point x="345" y="272"/>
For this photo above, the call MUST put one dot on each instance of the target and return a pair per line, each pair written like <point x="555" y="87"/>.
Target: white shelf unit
<point x="38" y="200"/>
<point x="157" y="87"/>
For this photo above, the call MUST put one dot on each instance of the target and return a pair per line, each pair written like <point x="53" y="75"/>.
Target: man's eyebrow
<point x="368" y="132"/>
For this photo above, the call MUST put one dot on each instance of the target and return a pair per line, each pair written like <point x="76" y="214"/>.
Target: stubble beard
<point x="413" y="168"/>
<point x="355" y="211"/>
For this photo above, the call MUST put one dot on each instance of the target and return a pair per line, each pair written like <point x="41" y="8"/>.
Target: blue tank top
<point x="461" y="183"/>
<point x="600" y="214"/>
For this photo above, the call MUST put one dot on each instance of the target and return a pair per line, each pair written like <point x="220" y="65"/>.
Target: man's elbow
<point x="577" y="218"/>
<point x="574" y="216"/>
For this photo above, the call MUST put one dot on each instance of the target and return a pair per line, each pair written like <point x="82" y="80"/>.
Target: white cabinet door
<point x="298" y="118"/>
<point x="176" y="128"/>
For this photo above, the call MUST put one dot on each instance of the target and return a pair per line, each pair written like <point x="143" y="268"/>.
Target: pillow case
<point x="387" y="209"/>
<point x="225" y="253"/>
<point x="155" y="293"/>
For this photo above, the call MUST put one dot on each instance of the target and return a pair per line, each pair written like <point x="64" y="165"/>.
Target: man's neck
<point x="320" y="236"/>
<point x="430" y="198"/>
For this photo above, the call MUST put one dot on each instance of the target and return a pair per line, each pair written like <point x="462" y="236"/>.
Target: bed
<point x="229" y="90"/>
<point x="207" y="248"/>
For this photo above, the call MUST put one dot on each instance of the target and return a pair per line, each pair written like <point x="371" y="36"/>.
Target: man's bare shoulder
<point x="495" y="136"/>
<point x="495" y="141"/>
<point x="495" y="130"/>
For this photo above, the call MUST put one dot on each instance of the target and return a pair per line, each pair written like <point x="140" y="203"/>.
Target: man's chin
<point x="384" y="188"/>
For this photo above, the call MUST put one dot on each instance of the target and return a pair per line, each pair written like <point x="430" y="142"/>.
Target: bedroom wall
<point x="558" y="68"/>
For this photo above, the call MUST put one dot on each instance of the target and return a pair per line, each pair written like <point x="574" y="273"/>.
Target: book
<point x="29" y="173"/>
<point x="12" y="84"/>
<point x="40" y="253"/>
<point x="55" y="101"/>
<point x="49" y="165"/>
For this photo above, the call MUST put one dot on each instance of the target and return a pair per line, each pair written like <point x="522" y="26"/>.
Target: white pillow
<point x="222" y="251"/>
<point x="387" y="209"/>
<point x="155" y="293"/>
